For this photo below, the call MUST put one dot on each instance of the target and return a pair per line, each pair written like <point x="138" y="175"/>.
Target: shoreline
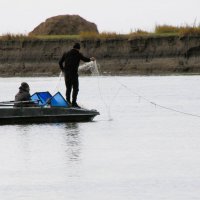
<point x="101" y="75"/>
<point x="139" y="56"/>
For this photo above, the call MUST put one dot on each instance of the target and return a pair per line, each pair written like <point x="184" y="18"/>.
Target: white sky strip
<point x="21" y="16"/>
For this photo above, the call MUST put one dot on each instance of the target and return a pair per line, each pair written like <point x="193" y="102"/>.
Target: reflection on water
<point x="68" y="133"/>
<point x="42" y="148"/>
<point x="73" y="141"/>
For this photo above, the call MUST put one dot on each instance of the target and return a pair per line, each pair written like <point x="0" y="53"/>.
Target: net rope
<point x="94" y="68"/>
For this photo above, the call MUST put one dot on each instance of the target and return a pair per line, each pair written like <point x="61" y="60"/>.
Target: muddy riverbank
<point x="139" y="56"/>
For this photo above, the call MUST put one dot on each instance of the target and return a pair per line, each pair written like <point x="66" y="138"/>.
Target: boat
<point x="46" y="109"/>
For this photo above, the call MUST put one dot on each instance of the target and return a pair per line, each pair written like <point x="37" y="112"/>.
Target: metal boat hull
<point x="24" y="115"/>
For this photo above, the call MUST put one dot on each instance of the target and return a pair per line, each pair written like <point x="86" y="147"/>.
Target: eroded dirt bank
<point x="145" y="55"/>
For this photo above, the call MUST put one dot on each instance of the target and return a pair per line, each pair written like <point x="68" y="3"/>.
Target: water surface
<point x="133" y="150"/>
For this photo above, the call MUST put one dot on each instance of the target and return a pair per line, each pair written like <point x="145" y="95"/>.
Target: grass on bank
<point x="10" y="36"/>
<point x="181" y="30"/>
<point x="160" y="30"/>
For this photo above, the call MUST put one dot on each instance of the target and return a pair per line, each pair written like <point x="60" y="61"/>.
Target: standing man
<point x="71" y="60"/>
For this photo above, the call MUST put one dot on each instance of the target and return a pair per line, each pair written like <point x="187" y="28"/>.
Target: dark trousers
<point x="71" y="83"/>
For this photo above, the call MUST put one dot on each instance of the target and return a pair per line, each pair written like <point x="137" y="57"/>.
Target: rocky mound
<point x="64" y="25"/>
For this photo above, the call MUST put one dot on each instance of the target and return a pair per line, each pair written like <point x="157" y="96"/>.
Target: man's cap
<point x="77" y="46"/>
<point x="24" y="86"/>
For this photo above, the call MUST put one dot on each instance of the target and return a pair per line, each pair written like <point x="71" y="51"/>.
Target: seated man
<point x="23" y="97"/>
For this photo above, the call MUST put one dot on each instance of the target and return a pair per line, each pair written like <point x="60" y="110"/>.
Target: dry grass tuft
<point x="137" y="34"/>
<point x="189" y="31"/>
<point x="166" y="29"/>
<point x="178" y="30"/>
<point x="10" y="36"/>
<point x="103" y="35"/>
<point x="89" y="35"/>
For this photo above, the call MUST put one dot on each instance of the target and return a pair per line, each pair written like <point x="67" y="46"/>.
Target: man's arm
<point x="85" y="59"/>
<point x="61" y="61"/>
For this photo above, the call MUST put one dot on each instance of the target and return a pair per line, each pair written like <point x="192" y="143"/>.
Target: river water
<point x="133" y="150"/>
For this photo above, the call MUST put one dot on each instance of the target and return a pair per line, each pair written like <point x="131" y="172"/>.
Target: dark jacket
<point x="23" y="95"/>
<point x="72" y="59"/>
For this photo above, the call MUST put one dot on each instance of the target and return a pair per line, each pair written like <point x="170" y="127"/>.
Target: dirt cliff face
<point x="150" y="55"/>
<point x="64" y="25"/>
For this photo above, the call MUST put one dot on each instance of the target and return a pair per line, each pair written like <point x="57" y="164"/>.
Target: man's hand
<point x="92" y="59"/>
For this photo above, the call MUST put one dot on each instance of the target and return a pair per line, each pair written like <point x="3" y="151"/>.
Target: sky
<point x="119" y="16"/>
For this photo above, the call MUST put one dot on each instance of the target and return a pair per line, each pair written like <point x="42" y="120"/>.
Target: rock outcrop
<point x="64" y="25"/>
